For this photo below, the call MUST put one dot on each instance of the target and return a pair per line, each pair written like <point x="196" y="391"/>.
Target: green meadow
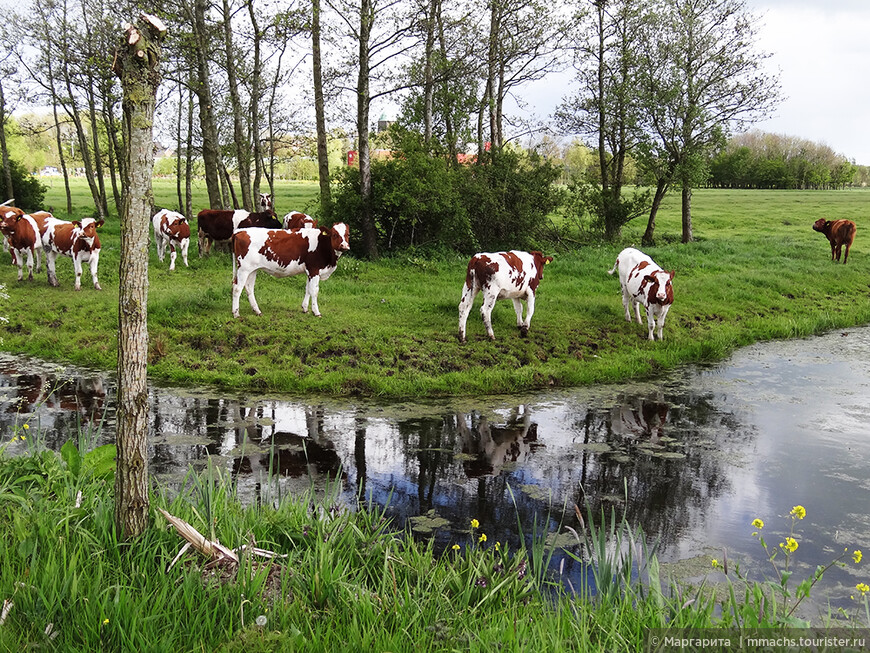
<point x="756" y="271"/>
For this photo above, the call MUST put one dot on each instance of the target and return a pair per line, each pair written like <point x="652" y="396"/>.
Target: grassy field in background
<point x="756" y="271"/>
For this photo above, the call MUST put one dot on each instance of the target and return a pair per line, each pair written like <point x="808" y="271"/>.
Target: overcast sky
<point x="822" y="51"/>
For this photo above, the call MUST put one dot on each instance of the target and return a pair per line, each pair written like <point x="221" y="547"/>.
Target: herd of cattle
<point x="259" y="241"/>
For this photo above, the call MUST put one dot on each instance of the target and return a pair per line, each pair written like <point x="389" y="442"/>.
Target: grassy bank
<point x="757" y="271"/>
<point x="342" y="580"/>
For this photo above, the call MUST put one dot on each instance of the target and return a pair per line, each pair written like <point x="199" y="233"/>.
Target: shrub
<point x="29" y="191"/>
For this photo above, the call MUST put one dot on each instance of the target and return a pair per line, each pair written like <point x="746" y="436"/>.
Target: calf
<point x="839" y="232"/>
<point x="514" y="275"/>
<point x="22" y="233"/>
<point x="78" y="240"/>
<point x="219" y="225"/>
<point x="171" y="228"/>
<point x="644" y="282"/>
<point x="297" y="220"/>
<point x="283" y="253"/>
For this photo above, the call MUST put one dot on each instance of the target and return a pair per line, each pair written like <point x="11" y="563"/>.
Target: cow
<point x="265" y="204"/>
<point x="22" y="233"/>
<point x="299" y="220"/>
<point x="219" y="225"/>
<point x="644" y="282"/>
<point x="839" y="232"/>
<point x="514" y="275"/>
<point x="171" y="228"/>
<point x="284" y="253"/>
<point x="78" y="240"/>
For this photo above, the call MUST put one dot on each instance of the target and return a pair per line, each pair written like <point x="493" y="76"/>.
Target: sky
<point x="821" y="51"/>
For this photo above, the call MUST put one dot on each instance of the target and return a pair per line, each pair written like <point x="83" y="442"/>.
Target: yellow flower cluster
<point x="863" y="588"/>
<point x="475" y="523"/>
<point x="857" y="555"/>
<point x="789" y="545"/>
<point x="757" y="523"/>
<point x="799" y="512"/>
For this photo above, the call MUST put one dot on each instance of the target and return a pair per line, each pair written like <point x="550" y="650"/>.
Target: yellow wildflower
<point x="857" y="555"/>
<point x="715" y="563"/>
<point x="456" y="547"/>
<point x="475" y="523"/>
<point x="105" y="622"/>
<point x="482" y="537"/>
<point x="789" y="545"/>
<point x="799" y="512"/>
<point x="26" y="426"/>
<point x="863" y="588"/>
<point x="757" y="523"/>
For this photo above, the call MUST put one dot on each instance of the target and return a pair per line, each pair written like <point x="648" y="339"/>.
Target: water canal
<point x="692" y="457"/>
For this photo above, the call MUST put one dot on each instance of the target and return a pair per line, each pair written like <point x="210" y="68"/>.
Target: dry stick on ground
<point x="212" y="549"/>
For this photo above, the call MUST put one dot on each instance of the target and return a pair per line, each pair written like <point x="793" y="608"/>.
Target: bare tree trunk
<point x="188" y="160"/>
<point x="210" y="150"/>
<point x="370" y="236"/>
<point x="240" y="139"/>
<point x="137" y="65"/>
<point x="661" y="188"/>
<point x="60" y="155"/>
<point x="320" y="113"/>
<point x="115" y="158"/>
<point x="4" y="152"/>
<point x="428" y="81"/>
<point x="95" y="140"/>
<point x="687" y="211"/>
<point x="178" y="144"/>
<point x="256" y="79"/>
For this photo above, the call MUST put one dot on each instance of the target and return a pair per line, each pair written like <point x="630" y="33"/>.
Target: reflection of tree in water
<point x="668" y="456"/>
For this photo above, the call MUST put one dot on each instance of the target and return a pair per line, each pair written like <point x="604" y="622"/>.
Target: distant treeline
<point x="761" y="160"/>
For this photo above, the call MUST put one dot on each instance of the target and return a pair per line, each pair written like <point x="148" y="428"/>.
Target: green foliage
<point x="29" y="191"/>
<point x="419" y="199"/>
<point x="596" y="213"/>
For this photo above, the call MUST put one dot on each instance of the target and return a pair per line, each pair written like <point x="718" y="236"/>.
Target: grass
<point x="757" y="271"/>
<point x="344" y="580"/>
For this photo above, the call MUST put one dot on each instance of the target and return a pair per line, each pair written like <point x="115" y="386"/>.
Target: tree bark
<point x="256" y="79"/>
<point x="649" y="234"/>
<point x="687" y="212"/>
<point x="4" y="152"/>
<point x="137" y="65"/>
<point x="210" y="150"/>
<point x="240" y="139"/>
<point x="370" y="236"/>
<point x="320" y="113"/>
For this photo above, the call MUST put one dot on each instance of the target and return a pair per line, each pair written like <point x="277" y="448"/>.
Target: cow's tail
<point x="615" y="267"/>
<point x="235" y="259"/>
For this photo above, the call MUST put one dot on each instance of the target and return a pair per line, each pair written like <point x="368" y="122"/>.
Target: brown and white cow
<point x="284" y="253"/>
<point x="299" y="220"/>
<point x="644" y="282"/>
<point x="22" y="233"/>
<point x="219" y="225"/>
<point x="514" y="275"/>
<point x="171" y="228"/>
<point x="839" y="232"/>
<point x="78" y="240"/>
<point x="265" y="204"/>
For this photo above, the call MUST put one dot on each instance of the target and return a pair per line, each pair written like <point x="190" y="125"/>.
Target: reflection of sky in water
<point x="701" y="452"/>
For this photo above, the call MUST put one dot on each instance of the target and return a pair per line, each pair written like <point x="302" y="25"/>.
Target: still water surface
<point x="692" y="458"/>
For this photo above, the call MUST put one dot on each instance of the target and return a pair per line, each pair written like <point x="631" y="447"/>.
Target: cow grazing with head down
<point x="299" y="220"/>
<point x="514" y="275"/>
<point x="78" y="240"/>
<point x="284" y="253"/>
<point x="171" y="228"/>
<point x="218" y="226"/>
<point x="22" y="233"/>
<point x="644" y="282"/>
<point x="839" y="232"/>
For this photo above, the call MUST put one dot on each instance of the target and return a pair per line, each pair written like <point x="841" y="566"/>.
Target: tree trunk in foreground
<point x="137" y="65"/>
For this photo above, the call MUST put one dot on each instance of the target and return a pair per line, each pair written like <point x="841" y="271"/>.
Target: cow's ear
<point x="649" y="278"/>
<point x="672" y="273"/>
<point x="77" y="223"/>
<point x="100" y="223"/>
<point x="548" y="259"/>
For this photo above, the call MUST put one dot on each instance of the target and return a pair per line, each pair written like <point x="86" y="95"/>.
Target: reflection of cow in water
<point x="494" y="445"/>
<point x="639" y="417"/>
<point x="31" y="391"/>
<point x="295" y="455"/>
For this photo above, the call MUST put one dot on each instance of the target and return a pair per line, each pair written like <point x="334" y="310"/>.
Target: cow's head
<point x="9" y="217"/>
<point x="177" y="226"/>
<point x="266" y="203"/>
<point x="339" y="237"/>
<point x="660" y="289"/>
<point x="86" y="229"/>
<point x="819" y="225"/>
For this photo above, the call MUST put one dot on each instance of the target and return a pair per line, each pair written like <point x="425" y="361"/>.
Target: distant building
<point x="384" y="123"/>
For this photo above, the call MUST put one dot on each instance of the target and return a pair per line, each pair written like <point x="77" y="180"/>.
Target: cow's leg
<point x="312" y="288"/>
<point x="185" y="244"/>
<point x="530" y="310"/>
<point x="489" y="300"/>
<point x="839" y="251"/>
<point x="651" y="321"/>
<point x="637" y="311"/>
<point x="846" y="257"/>
<point x="661" y="321"/>
<point x="465" y="304"/>
<point x="249" y="288"/>
<point x="161" y="247"/>
<point x="95" y="262"/>
<point x="36" y="251"/>
<point x="833" y="252"/>
<point x="50" y="258"/>
<point x="518" y="309"/>
<point x="24" y="257"/>
<point x="626" y="303"/>
<point x="239" y="277"/>
<point x="172" y="256"/>
<point x="77" y="266"/>
<point x="204" y="243"/>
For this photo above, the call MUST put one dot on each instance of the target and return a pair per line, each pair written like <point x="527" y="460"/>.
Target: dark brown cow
<point x="514" y="275"/>
<point x="22" y="233"/>
<point x="839" y="232"/>
<point x="79" y="241"/>
<point x="219" y="225"/>
<point x="283" y="253"/>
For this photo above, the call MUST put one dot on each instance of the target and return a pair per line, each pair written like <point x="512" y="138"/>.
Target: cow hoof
<point x="492" y="338"/>
<point x="524" y="331"/>
<point x="461" y="339"/>
<point x="98" y="286"/>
